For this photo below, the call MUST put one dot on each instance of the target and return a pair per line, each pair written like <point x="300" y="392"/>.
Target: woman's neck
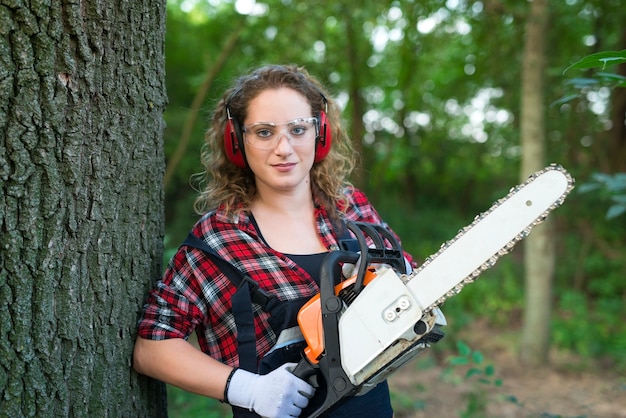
<point x="287" y="222"/>
<point x="291" y="203"/>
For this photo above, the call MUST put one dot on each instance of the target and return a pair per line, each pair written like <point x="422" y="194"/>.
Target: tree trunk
<point x="357" y="130"/>
<point x="81" y="204"/>
<point x="539" y="246"/>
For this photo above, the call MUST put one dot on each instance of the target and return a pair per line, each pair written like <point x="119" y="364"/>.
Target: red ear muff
<point x="324" y="137"/>
<point x="233" y="143"/>
<point x="233" y="137"/>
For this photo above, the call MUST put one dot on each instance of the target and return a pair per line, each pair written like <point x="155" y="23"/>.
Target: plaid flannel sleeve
<point x="172" y="308"/>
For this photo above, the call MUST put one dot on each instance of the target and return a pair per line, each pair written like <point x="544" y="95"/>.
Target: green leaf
<point x="582" y="82"/>
<point x="472" y="372"/>
<point x="619" y="79"/>
<point x="419" y="405"/>
<point x="565" y="99"/>
<point x="463" y="348"/>
<point x="588" y="187"/>
<point x="615" y="182"/>
<point x="459" y="361"/>
<point x="615" y="211"/>
<point x="489" y="370"/>
<point x="477" y="357"/>
<point x="600" y="59"/>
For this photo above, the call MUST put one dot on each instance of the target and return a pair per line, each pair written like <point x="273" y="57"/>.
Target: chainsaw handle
<point x="364" y="250"/>
<point x="391" y="254"/>
<point x="306" y="371"/>
<point x="327" y="279"/>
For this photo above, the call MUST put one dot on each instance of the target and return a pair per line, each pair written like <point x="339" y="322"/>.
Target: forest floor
<point x="569" y="387"/>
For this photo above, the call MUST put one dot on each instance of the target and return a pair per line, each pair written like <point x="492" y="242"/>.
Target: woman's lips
<point x="284" y="167"/>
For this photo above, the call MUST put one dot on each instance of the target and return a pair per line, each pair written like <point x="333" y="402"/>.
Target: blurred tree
<point x="82" y="94"/>
<point x="539" y="251"/>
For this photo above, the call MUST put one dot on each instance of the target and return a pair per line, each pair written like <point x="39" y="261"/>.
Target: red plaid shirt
<point x="195" y="295"/>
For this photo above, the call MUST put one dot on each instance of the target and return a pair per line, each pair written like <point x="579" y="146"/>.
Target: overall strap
<point x="345" y="241"/>
<point x="248" y="291"/>
<point x="236" y="276"/>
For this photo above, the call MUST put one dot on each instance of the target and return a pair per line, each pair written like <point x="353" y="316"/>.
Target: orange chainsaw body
<point x="310" y="319"/>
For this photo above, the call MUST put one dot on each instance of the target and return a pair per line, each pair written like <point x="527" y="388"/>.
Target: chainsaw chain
<point x="506" y="248"/>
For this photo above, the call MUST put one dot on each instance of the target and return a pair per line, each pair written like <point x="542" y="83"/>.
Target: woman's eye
<point x="264" y="133"/>
<point x="298" y="130"/>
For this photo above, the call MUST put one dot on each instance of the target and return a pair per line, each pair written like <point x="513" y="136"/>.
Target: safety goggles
<point x="265" y="135"/>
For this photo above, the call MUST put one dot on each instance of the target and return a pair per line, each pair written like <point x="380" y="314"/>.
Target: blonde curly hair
<point x="233" y="187"/>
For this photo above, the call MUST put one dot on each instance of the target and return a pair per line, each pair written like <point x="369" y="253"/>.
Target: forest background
<point x="431" y="95"/>
<point x="449" y="104"/>
<point x="433" y="90"/>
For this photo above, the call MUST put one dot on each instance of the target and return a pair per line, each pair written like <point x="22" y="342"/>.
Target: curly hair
<point x="234" y="187"/>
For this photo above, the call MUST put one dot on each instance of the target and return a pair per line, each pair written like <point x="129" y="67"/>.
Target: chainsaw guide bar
<point x="491" y="235"/>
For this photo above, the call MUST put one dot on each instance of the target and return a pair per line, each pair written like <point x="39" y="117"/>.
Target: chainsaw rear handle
<point x="306" y="371"/>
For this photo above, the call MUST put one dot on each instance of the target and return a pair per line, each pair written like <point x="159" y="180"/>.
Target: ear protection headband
<point x="233" y="136"/>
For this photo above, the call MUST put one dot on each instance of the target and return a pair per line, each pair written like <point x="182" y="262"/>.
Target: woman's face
<point x="280" y="140"/>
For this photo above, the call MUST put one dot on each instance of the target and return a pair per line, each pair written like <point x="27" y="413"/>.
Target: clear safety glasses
<point x="265" y="135"/>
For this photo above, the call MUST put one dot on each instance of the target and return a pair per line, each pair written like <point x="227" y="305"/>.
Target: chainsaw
<point x="360" y="331"/>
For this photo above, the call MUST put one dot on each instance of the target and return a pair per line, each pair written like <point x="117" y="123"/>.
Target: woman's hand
<point x="277" y="394"/>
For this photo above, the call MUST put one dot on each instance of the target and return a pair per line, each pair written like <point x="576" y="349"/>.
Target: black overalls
<point x="283" y="319"/>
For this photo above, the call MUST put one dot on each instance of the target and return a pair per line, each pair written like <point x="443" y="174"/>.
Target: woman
<point x="276" y="161"/>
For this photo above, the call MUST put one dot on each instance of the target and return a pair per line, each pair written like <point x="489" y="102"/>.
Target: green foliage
<point x="406" y="402"/>
<point x="183" y="404"/>
<point x="497" y="295"/>
<point x="475" y="360"/>
<point x="600" y="60"/>
<point x="610" y="188"/>
<point x="469" y="367"/>
<point x="170" y="249"/>
<point x="591" y="329"/>
<point x="480" y="376"/>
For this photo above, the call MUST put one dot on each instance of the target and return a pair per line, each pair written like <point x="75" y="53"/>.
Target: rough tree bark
<point x="539" y="246"/>
<point x="82" y="92"/>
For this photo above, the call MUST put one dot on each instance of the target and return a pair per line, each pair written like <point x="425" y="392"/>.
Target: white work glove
<point x="277" y="394"/>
